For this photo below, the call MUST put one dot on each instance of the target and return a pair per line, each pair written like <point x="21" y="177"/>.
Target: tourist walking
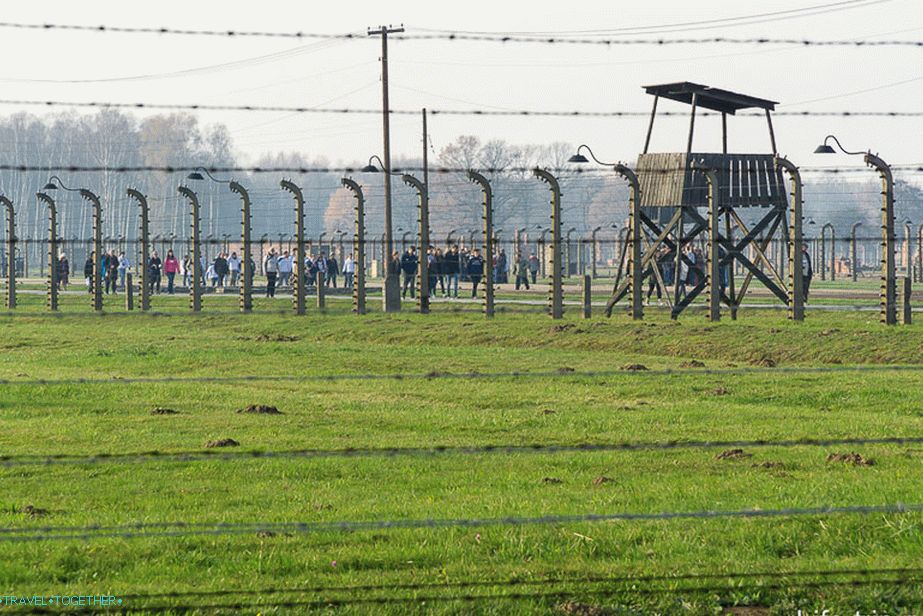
<point x="271" y="268"/>
<point x="155" y="267"/>
<point x="475" y="270"/>
<point x="170" y="268"/>
<point x="409" y="262"/>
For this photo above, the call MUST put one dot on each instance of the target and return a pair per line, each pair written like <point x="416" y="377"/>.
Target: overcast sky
<point x="86" y="66"/>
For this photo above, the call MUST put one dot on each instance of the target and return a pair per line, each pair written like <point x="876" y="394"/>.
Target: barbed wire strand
<point x="435" y="112"/>
<point x="394" y="170"/>
<point x="184" y="529"/>
<point x="543" y="595"/>
<point x="14" y="460"/>
<point x="513" y="582"/>
<point x="397" y="376"/>
<point x="461" y="36"/>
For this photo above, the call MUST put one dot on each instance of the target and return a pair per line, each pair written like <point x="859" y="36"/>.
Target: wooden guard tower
<point x="675" y="191"/>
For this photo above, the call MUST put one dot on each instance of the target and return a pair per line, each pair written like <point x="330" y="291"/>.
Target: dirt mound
<point x="565" y="370"/>
<point x="265" y="534"/>
<point x="223" y="442"/>
<point x="733" y="454"/>
<point x="572" y="608"/>
<point x="260" y="409"/>
<point x="602" y="479"/>
<point x="856" y="459"/>
<point x="551" y="480"/>
<point x="692" y="363"/>
<point x="562" y="327"/>
<point x="763" y="361"/>
<point x="162" y="411"/>
<point x="769" y="464"/>
<point x="719" y="391"/>
<point x="634" y="367"/>
<point x="276" y="338"/>
<point x="549" y="412"/>
<point x="34" y="512"/>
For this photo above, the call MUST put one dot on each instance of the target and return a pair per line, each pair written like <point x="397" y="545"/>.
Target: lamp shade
<point x="824" y="149"/>
<point x="50" y="186"/>
<point x="195" y="175"/>
<point x="369" y="169"/>
<point x="578" y="158"/>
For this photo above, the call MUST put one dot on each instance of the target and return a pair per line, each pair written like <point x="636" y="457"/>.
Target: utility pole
<point x="392" y="301"/>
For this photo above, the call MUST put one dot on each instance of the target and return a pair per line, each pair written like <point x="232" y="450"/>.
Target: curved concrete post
<point x="52" y="280"/>
<point x="145" y="233"/>
<point x="195" y="289"/>
<point x="10" y="252"/>
<point x="359" y="245"/>
<point x="423" y="235"/>
<point x="556" y="287"/>
<point x="635" y="271"/>
<point x="245" y="289"/>
<point x="888" y="293"/>
<point x="488" y="218"/>
<point x="795" y="241"/>
<point x="299" y="295"/>
<point x="97" y="247"/>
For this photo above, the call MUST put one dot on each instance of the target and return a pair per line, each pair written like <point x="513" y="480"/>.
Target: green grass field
<point x="135" y="362"/>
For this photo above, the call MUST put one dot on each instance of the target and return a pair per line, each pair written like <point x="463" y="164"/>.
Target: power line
<point x="710" y="23"/>
<point x="401" y="452"/>
<point x="183" y="529"/>
<point x="446" y="112"/>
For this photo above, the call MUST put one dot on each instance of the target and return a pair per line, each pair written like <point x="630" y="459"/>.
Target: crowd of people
<point x="446" y="270"/>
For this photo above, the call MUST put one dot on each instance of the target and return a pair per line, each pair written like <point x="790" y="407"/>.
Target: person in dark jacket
<point x="409" y="262"/>
<point x="439" y="269"/>
<point x="807" y="270"/>
<point x="221" y="268"/>
<point x="112" y="272"/>
<point x="154" y="268"/>
<point x="333" y="268"/>
<point x="475" y="270"/>
<point x="432" y="269"/>
<point x="521" y="270"/>
<point x="88" y="273"/>
<point x="451" y="266"/>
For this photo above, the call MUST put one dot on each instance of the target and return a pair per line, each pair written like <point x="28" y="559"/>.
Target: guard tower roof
<point x="716" y="99"/>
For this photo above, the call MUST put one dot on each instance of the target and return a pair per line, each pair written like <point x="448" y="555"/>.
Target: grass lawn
<point x="133" y="363"/>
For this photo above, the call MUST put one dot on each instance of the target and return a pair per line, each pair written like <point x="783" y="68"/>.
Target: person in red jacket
<point x="171" y="269"/>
